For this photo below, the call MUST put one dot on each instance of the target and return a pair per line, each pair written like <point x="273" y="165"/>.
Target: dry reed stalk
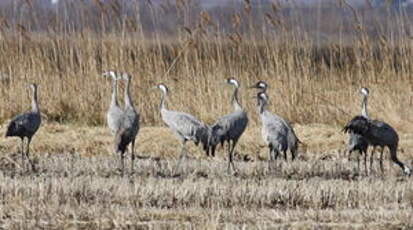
<point x="306" y="79"/>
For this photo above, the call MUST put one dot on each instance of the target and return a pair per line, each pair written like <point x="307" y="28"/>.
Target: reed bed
<point x="310" y="82"/>
<point x="314" y="83"/>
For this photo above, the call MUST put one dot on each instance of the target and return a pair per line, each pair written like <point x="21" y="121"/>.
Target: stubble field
<point x="78" y="185"/>
<point x="314" y="84"/>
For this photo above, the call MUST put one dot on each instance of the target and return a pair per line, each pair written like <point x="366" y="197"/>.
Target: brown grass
<point x="78" y="184"/>
<point x="303" y="89"/>
<point x="314" y="85"/>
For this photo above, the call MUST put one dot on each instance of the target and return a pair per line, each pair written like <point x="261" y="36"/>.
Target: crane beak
<point x="30" y="85"/>
<point x="105" y="74"/>
<point x="222" y="84"/>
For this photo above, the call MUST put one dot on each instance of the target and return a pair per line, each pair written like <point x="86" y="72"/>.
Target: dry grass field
<point x="313" y="85"/>
<point x="78" y="185"/>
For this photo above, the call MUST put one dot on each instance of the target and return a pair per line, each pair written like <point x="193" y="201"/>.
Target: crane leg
<point x="270" y="159"/>
<point x="293" y="154"/>
<point x="182" y="155"/>
<point x="358" y="162"/>
<point x="381" y="161"/>
<point x="365" y="163"/>
<point x="349" y="155"/>
<point x="285" y="156"/>
<point x="229" y="157"/>
<point x="122" y="162"/>
<point x="231" y="153"/>
<point x="213" y="150"/>
<point x="22" y="153"/>
<point x="29" y="140"/>
<point x="132" y="154"/>
<point x="372" y="157"/>
<point x="276" y="153"/>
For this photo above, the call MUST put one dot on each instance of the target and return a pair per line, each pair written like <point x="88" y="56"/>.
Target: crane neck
<point x="235" y="101"/>
<point x="128" y="99"/>
<point x="114" y="100"/>
<point x="163" y="99"/>
<point x="261" y="106"/>
<point x="364" y="112"/>
<point x="35" y="103"/>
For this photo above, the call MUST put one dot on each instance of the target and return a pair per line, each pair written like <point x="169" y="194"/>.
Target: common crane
<point x="356" y="141"/>
<point x="274" y="131"/>
<point x="25" y="125"/>
<point x="229" y="127"/>
<point x="377" y="133"/>
<point x="292" y="138"/>
<point x="129" y="126"/>
<point x="114" y="113"/>
<point x="185" y="126"/>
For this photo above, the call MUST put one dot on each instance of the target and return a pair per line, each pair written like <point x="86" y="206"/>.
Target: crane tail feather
<point x="11" y="130"/>
<point x="358" y="125"/>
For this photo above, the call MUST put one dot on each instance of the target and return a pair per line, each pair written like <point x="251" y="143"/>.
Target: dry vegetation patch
<point x="314" y="82"/>
<point x="88" y="192"/>
<point x="78" y="185"/>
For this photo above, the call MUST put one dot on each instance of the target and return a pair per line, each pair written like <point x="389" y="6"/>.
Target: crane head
<point x="33" y="86"/>
<point x="111" y="73"/>
<point x="260" y="85"/>
<point x="262" y="96"/>
<point x="126" y="77"/>
<point x="364" y="91"/>
<point x="163" y="88"/>
<point x="233" y="81"/>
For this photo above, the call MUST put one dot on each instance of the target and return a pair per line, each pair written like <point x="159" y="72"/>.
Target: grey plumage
<point x="356" y="141"/>
<point x="274" y="131"/>
<point x="377" y="133"/>
<point x="185" y="126"/>
<point x="230" y="127"/>
<point x="292" y="139"/>
<point x="129" y="126"/>
<point x="114" y="113"/>
<point x="26" y="125"/>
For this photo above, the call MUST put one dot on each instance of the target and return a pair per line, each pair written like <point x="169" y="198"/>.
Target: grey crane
<point x="114" y="113"/>
<point x="274" y="129"/>
<point x="25" y="125"/>
<point x="229" y="127"/>
<point x="292" y="138"/>
<point x="377" y="133"/>
<point x="129" y="126"/>
<point x="185" y="126"/>
<point x="356" y="141"/>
